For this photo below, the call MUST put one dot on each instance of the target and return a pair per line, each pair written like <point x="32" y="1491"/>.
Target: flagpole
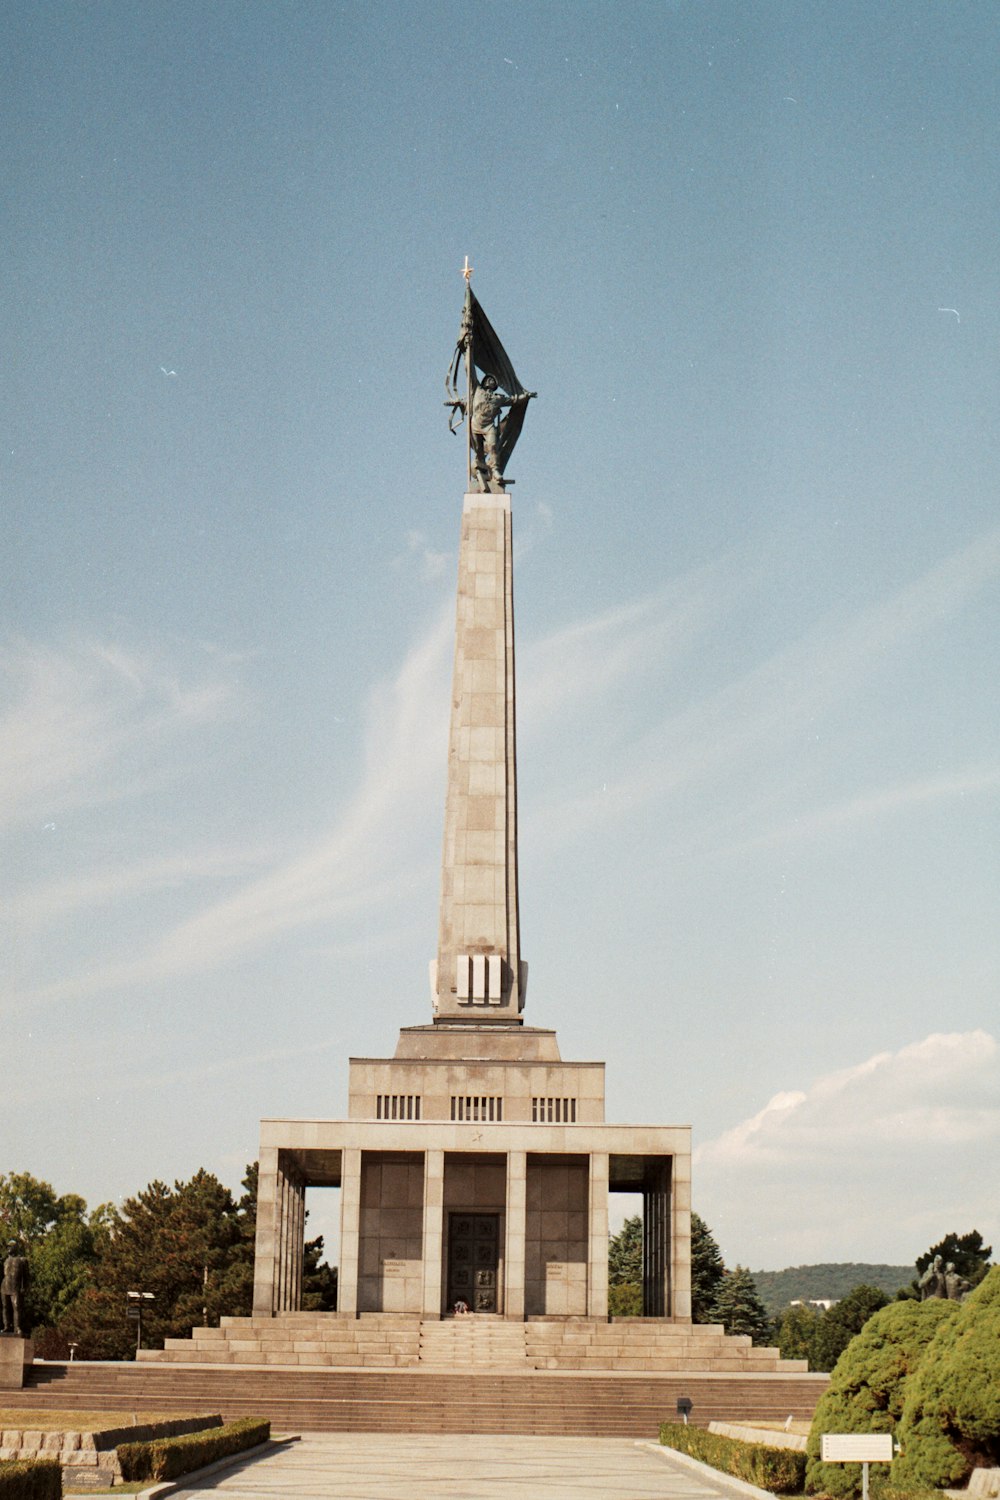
<point x="467" y="273"/>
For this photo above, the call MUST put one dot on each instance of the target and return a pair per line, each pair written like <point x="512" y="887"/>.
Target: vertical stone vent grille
<point x="397" y="1106"/>
<point x="482" y="1108"/>
<point x="553" y="1111"/>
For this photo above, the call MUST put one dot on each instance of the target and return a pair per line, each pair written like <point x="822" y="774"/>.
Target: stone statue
<point x="956" y="1287"/>
<point x="943" y="1281"/>
<point x="931" y="1283"/>
<point x="491" y="434"/>
<point x="12" y="1290"/>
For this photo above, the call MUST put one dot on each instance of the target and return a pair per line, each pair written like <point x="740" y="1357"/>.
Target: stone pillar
<point x="265" y="1265"/>
<point x="657" y="1265"/>
<point x="680" y="1300"/>
<point x="433" y="1240"/>
<point x="478" y="973"/>
<point x="290" y="1230"/>
<point x="350" y="1231"/>
<point x="298" y="1244"/>
<point x="597" y="1266"/>
<point x="514" y="1257"/>
<point x="15" y="1354"/>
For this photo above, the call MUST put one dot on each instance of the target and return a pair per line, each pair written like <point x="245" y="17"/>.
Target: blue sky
<point x="746" y="253"/>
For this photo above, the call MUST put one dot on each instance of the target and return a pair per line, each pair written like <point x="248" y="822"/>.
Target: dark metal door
<point x="472" y="1261"/>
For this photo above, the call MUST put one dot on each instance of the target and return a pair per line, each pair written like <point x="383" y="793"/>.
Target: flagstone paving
<point x="374" y="1466"/>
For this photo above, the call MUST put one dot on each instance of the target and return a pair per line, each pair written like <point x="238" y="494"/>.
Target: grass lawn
<point x="135" y="1488"/>
<point x="24" y="1420"/>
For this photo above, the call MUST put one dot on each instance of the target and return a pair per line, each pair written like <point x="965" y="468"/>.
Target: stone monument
<point x="475" y="1165"/>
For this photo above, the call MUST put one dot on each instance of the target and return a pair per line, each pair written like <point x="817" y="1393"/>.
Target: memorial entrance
<point x="473" y="1261"/>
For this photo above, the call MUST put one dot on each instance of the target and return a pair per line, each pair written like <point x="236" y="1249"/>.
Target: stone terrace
<point x="383" y="1340"/>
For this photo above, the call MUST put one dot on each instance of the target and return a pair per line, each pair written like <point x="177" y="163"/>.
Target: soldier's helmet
<point x="490" y="382"/>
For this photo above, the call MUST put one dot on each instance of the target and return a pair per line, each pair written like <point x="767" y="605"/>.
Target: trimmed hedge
<point x="30" y="1479"/>
<point x="169" y="1458"/>
<point x="779" y="1469"/>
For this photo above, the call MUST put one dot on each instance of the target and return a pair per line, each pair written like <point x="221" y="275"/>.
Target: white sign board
<point x="856" y="1448"/>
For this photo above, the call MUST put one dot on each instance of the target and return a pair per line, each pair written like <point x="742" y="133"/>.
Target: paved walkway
<point x="372" y="1466"/>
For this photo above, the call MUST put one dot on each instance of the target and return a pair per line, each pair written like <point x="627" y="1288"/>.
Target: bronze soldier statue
<point x="488" y="402"/>
<point x="12" y="1290"/>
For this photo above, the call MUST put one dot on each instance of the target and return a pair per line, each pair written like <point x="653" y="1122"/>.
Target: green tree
<point x="319" y="1281"/>
<point x="951" y="1415"/>
<point x="868" y="1386"/>
<point x="190" y="1246"/>
<point x="707" y="1270"/>
<point x="28" y="1207"/>
<point x="625" y="1270"/>
<point x="796" y="1331"/>
<point x="625" y="1254"/>
<point x="57" y="1238"/>
<point x="837" y="1326"/>
<point x="738" y="1307"/>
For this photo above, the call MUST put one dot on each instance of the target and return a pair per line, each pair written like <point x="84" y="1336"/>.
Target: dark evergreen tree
<point x="738" y="1307"/>
<point x="625" y="1270"/>
<point x="190" y="1246"/>
<point x="625" y="1254"/>
<point x="707" y="1270"/>
<point x="319" y="1281"/>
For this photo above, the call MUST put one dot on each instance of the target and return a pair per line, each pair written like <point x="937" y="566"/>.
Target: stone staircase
<point x="321" y="1372"/>
<point x="422" y="1400"/>
<point x="399" y="1341"/>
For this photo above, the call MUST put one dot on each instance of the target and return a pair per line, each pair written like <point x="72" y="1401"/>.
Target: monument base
<point x="15" y="1354"/>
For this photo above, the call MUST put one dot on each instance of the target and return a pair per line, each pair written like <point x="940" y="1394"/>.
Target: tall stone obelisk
<point x="479" y="974"/>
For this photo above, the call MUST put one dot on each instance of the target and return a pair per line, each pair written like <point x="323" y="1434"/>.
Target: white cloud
<point x="56" y="899"/>
<point x="430" y="565"/>
<point x="760" y="710"/>
<point x="871" y="1162"/>
<point x="975" y="781"/>
<point x="89" y="723"/>
<point x="359" y="864"/>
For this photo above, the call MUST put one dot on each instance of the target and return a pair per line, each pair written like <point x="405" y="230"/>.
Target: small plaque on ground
<point x="856" y="1447"/>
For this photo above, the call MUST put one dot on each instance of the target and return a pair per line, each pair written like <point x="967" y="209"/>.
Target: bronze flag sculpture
<point x="491" y="386"/>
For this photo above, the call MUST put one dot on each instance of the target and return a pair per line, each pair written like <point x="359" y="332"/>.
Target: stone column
<point x="265" y="1265"/>
<point x="514" y="1258"/>
<point x="433" y="1240"/>
<point x="680" y="1300"/>
<point x="350" y="1231"/>
<point x="298" y="1244"/>
<point x="597" y="1267"/>
<point x="478" y="974"/>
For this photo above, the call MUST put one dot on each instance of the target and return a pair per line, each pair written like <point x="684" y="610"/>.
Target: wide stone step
<point x="424" y="1401"/>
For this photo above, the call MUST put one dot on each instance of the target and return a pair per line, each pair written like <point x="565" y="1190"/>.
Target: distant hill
<point x="778" y="1288"/>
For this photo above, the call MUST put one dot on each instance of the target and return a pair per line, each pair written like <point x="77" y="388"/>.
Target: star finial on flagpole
<point x="467" y="270"/>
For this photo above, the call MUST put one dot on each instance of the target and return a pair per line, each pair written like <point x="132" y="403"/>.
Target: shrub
<point x="951" y="1417"/>
<point x="34" y="1479"/>
<point x="169" y="1458"/>
<point x="868" y="1385"/>
<point x="779" y="1469"/>
<point x="625" y="1301"/>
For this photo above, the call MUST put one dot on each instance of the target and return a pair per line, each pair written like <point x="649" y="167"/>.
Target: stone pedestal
<point x="15" y="1355"/>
